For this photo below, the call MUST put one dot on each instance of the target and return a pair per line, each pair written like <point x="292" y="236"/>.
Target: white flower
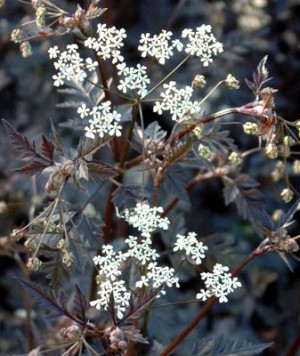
<point x="219" y="283"/>
<point x="159" y="46"/>
<point x="53" y="52"/>
<point x="102" y="120"/>
<point x="83" y="111"/>
<point x="108" y="43"/>
<point x="177" y="101"/>
<point x="135" y="79"/>
<point x="90" y="64"/>
<point x="145" y="218"/>
<point x="192" y="247"/>
<point x="202" y="43"/>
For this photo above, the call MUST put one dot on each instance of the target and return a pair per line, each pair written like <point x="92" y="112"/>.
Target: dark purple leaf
<point x="47" y="149"/>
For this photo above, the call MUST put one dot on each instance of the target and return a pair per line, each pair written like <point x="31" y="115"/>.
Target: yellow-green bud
<point x="271" y="151"/>
<point x="68" y="259"/>
<point x="288" y="141"/>
<point x="296" y="166"/>
<point x="61" y="245"/>
<point x="30" y="245"/>
<point x="235" y="158"/>
<point x="16" y="35"/>
<point x="277" y="214"/>
<point x="198" y="131"/>
<point x="231" y="82"/>
<point x="34" y="264"/>
<point x="250" y="128"/>
<point x="199" y="81"/>
<point x="204" y="151"/>
<point x="287" y="195"/>
<point x="16" y="235"/>
<point x="25" y="48"/>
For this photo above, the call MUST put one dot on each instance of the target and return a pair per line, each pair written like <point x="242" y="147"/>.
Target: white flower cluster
<point x="159" y="46"/>
<point x="145" y="218"/>
<point x="70" y="65"/>
<point x="192" y="247"/>
<point x="110" y="264"/>
<point x="202" y="43"/>
<point x="103" y="120"/>
<point x="135" y="79"/>
<point x="108" y="43"/>
<point x="219" y="283"/>
<point x="177" y="102"/>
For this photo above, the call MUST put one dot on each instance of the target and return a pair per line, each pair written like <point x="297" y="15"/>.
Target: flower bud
<point x="250" y="128"/>
<point x="199" y="81"/>
<point x="288" y="141"/>
<point x="71" y="333"/>
<point x="271" y="151"/>
<point x="34" y="264"/>
<point x="198" y="131"/>
<point x="235" y="158"/>
<point x="68" y="259"/>
<point x="30" y="245"/>
<point x="231" y="82"/>
<point x="25" y="48"/>
<point x="287" y="195"/>
<point x="16" y="235"/>
<point x="16" y="35"/>
<point x="204" y="151"/>
<point x="296" y="166"/>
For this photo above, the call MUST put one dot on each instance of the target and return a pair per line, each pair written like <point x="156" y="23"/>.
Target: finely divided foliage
<point x="67" y="241"/>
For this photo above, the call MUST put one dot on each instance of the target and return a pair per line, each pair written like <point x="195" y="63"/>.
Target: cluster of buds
<point x="71" y="333"/>
<point x="287" y="195"/>
<point x="231" y="82"/>
<point x="68" y="258"/>
<point x="277" y="173"/>
<point x="117" y="340"/>
<point x="62" y="172"/>
<point x="282" y="241"/>
<point x="235" y="158"/>
<point x="204" y="151"/>
<point x="34" y="264"/>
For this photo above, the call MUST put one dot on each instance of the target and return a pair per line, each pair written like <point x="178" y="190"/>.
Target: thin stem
<point x="135" y="110"/>
<point x="211" y="91"/>
<point x="167" y="76"/>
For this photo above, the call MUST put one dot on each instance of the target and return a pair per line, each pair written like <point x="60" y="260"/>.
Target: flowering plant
<point x="121" y="257"/>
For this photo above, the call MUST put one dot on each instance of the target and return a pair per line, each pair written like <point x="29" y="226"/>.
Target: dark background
<point x="267" y="309"/>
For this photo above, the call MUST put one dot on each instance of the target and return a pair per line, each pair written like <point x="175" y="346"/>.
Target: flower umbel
<point x="145" y="218"/>
<point x="219" y="283"/>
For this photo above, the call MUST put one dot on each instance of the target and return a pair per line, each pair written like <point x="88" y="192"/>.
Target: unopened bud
<point x="16" y="235"/>
<point x="68" y="259"/>
<point x="30" y="245"/>
<point x="296" y="166"/>
<point x="199" y="81"/>
<point x="288" y="141"/>
<point x="71" y="333"/>
<point x="204" y="151"/>
<point x="250" y="128"/>
<point x="198" y="131"/>
<point x="16" y="35"/>
<point x="34" y="264"/>
<point x="287" y="195"/>
<point x="271" y="150"/>
<point x="231" y="82"/>
<point x="235" y="158"/>
<point x="25" y="48"/>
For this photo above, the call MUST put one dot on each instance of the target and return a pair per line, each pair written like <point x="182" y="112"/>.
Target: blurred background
<point x="267" y="309"/>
